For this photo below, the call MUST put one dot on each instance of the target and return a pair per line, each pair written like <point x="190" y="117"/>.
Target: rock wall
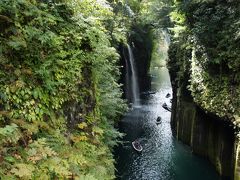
<point x="204" y="67"/>
<point x="140" y="40"/>
<point x="237" y="160"/>
<point x="207" y="134"/>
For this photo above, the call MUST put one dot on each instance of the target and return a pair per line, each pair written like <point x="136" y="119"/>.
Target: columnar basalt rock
<point x="204" y="68"/>
<point x="207" y="134"/>
<point x="237" y="159"/>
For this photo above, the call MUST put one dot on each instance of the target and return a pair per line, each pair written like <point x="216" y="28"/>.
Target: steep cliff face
<point x="59" y="94"/>
<point x="207" y="134"/>
<point x="140" y="40"/>
<point x="204" y="66"/>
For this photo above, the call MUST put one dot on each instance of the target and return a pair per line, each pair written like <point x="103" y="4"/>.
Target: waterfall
<point x="127" y="79"/>
<point x="131" y="78"/>
<point x="166" y="38"/>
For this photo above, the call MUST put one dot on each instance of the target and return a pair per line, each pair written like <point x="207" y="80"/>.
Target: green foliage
<point x="59" y="96"/>
<point x="206" y="51"/>
<point x="160" y="49"/>
<point x="9" y="134"/>
<point x="221" y="19"/>
<point x="156" y="13"/>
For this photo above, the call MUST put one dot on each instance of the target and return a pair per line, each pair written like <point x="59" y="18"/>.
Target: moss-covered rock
<point x="59" y="96"/>
<point x="204" y="65"/>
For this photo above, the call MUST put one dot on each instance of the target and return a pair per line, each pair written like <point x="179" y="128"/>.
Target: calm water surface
<point x="162" y="158"/>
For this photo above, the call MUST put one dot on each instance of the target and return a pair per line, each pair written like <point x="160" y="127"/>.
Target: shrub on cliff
<point x="211" y="32"/>
<point x="58" y="93"/>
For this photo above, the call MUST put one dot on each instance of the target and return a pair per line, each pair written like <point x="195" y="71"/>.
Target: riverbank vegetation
<point x="59" y="96"/>
<point x="204" y="64"/>
<point x="205" y="49"/>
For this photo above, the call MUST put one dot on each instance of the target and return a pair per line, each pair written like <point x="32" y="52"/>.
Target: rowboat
<point x="148" y="93"/>
<point x="165" y="106"/>
<point x="137" y="146"/>
<point x="159" y="120"/>
<point x="168" y="95"/>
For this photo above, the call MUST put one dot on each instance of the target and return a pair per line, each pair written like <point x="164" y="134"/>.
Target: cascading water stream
<point x="127" y="80"/>
<point x="166" y="38"/>
<point x="133" y="78"/>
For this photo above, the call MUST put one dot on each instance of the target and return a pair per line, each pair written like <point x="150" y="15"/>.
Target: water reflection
<point x="162" y="157"/>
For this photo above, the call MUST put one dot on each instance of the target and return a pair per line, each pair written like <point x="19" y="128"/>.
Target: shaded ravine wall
<point x="237" y="162"/>
<point x="140" y="41"/>
<point x="207" y="135"/>
<point x="204" y="59"/>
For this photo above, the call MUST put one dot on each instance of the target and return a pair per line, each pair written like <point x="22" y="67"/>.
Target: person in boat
<point x="165" y="106"/>
<point x="168" y="95"/>
<point x="137" y="144"/>
<point x="159" y="120"/>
